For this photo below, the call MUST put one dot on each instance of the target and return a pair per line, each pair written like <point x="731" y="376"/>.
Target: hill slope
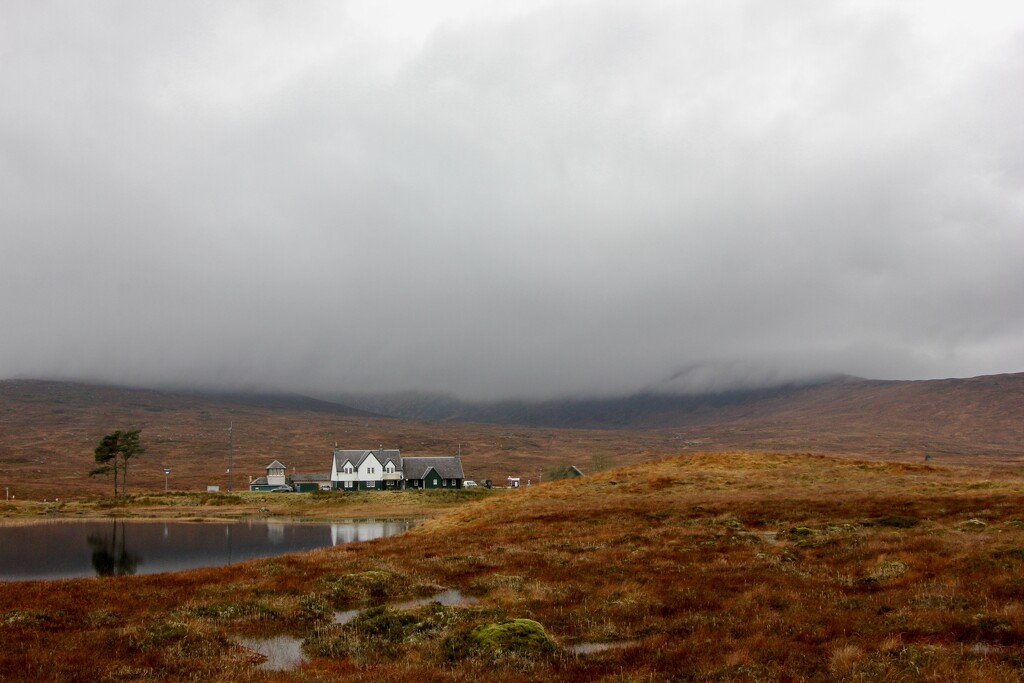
<point x="965" y="400"/>
<point x="980" y="414"/>
<point x="49" y="429"/>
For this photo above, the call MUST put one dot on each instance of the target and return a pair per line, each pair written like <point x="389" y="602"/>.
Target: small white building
<point x="275" y="477"/>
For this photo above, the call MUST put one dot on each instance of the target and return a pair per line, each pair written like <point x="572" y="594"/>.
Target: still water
<point x="71" y="549"/>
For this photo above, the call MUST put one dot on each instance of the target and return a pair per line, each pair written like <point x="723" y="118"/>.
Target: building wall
<point x="339" y="476"/>
<point x="370" y="470"/>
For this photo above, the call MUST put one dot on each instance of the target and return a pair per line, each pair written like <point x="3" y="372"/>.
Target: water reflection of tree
<point x="109" y="556"/>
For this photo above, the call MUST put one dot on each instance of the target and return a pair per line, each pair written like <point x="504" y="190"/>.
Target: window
<point x="371" y="484"/>
<point x="348" y="484"/>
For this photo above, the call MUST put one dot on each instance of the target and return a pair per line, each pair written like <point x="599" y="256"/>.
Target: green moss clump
<point x="380" y="631"/>
<point x="519" y="636"/>
<point x="375" y="584"/>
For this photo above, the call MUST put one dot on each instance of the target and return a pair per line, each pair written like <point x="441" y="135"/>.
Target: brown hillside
<point x="49" y="429"/>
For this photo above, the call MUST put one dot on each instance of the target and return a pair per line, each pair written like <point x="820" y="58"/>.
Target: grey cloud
<point x="575" y="199"/>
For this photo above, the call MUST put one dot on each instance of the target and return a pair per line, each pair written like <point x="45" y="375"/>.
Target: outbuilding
<point x="275" y="477"/>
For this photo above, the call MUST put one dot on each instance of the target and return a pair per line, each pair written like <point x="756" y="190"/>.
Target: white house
<point x="369" y="470"/>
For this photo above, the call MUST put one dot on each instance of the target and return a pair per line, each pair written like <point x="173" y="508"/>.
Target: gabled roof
<point x="261" y="481"/>
<point x="276" y="465"/>
<point x="448" y="467"/>
<point x="387" y="456"/>
<point x="358" y="456"/>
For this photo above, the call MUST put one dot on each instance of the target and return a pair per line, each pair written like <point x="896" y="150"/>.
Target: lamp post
<point x="167" y="473"/>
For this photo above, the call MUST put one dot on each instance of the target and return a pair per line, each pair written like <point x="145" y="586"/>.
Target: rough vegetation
<point x="708" y="567"/>
<point x="49" y="431"/>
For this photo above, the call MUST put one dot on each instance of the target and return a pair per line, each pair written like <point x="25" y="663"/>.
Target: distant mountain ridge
<point x="838" y="414"/>
<point x="996" y="401"/>
<point x="48" y="429"/>
<point x="89" y="395"/>
<point x="643" y="410"/>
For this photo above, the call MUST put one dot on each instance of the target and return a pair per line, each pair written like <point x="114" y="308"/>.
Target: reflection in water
<point x="67" y="549"/>
<point x="109" y="556"/>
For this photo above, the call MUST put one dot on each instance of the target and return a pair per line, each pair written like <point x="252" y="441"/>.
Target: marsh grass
<point x="715" y="567"/>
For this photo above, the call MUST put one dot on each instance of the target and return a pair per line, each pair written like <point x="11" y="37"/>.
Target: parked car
<point x="469" y="482"/>
<point x="282" y="489"/>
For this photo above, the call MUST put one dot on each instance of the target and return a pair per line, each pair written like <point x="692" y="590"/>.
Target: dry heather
<point x="711" y="567"/>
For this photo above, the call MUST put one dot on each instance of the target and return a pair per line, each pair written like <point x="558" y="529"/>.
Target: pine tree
<point x="106" y="456"/>
<point x="113" y="453"/>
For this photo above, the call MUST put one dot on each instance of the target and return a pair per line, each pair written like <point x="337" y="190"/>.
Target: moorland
<point x="688" y="561"/>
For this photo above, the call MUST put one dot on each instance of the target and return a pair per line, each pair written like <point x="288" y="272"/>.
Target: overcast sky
<point x="560" y="198"/>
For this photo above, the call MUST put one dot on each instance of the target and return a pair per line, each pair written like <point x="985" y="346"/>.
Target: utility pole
<point x="167" y="472"/>
<point x="231" y="450"/>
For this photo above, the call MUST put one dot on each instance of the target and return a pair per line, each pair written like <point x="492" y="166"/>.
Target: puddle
<point x="449" y="597"/>
<point x="283" y="653"/>
<point x="593" y="648"/>
<point x="346" y="616"/>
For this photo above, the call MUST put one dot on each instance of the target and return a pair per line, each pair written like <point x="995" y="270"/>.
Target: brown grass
<point x="246" y="504"/>
<point x="48" y="431"/>
<point x="711" y="567"/>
